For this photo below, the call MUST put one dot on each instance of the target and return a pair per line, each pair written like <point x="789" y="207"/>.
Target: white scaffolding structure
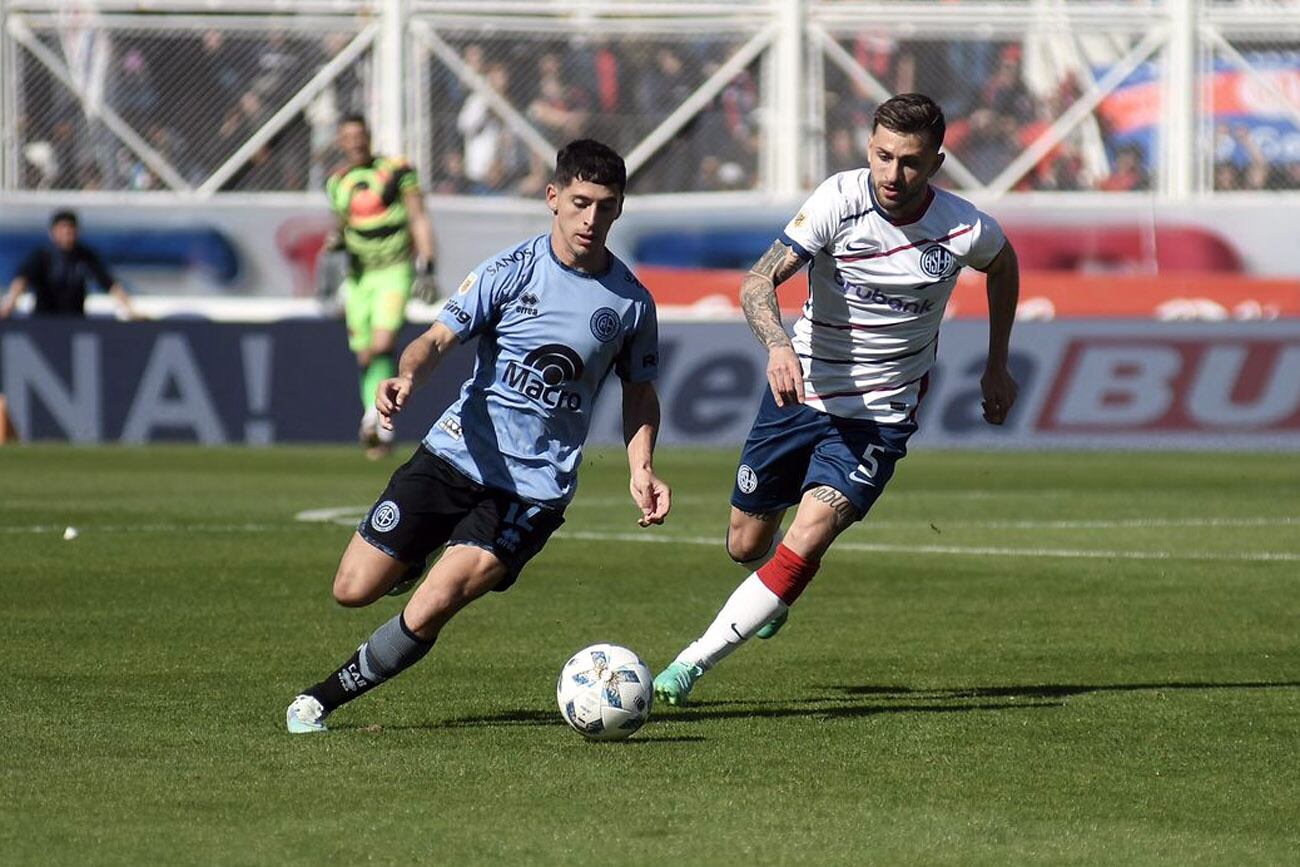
<point x="794" y="42"/>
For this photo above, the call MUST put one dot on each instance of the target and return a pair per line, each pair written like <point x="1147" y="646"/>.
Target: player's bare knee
<point x="745" y="548"/>
<point x="351" y="590"/>
<point x="747" y="542"/>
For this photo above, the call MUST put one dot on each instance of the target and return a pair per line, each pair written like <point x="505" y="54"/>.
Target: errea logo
<point x="527" y="304"/>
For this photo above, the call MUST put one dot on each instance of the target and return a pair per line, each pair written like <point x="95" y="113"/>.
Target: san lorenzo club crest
<point x="936" y="261"/>
<point x="385" y="516"/>
<point x="746" y="479"/>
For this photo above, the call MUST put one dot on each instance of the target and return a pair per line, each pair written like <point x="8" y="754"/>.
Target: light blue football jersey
<point x="548" y="338"/>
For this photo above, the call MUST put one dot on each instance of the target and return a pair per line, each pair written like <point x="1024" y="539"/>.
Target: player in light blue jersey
<point x="554" y="316"/>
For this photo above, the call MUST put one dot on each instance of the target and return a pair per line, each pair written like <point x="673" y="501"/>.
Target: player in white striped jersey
<point x="884" y="249"/>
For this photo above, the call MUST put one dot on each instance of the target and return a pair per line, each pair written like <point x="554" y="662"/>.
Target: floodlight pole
<point x="8" y="86"/>
<point x="389" y="65"/>
<point x="785" y="116"/>
<point x="1178" y="146"/>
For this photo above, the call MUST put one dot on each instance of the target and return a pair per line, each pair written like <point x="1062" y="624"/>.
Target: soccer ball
<point x="605" y="692"/>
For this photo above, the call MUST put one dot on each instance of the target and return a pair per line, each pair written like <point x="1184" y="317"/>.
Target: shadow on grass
<point x="825" y="707"/>
<point x="844" y="702"/>
<point x="1047" y="690"/>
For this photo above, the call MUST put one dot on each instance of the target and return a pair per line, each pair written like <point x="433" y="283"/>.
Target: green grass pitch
<point x="1065" y="658"/>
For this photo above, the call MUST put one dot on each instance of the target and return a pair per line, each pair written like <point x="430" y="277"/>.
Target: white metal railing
<point x="414" y="58"/>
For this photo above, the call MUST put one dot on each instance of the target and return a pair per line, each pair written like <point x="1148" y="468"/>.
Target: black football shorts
<point x="429" y="503"/>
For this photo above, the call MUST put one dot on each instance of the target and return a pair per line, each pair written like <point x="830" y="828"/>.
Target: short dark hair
<point x="64" y="216"/>
<point x="589" y="160"/>
<point x="354" y="118"/>
<point x="912" y="114"/>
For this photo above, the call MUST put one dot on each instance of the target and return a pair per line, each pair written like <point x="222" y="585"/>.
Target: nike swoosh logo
<point x="737" y="631"/>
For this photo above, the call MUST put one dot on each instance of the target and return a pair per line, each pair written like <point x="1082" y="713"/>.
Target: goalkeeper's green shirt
<point x="368" y="201"/>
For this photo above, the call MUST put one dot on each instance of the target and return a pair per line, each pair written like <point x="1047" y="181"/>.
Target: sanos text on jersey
<point x="523" y="254"/>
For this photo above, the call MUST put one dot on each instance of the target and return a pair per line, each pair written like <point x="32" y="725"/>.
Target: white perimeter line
<point x="1097" y="524"/>
<point x="843" y="545"/>
<point x="349" y="515"/>
<point x="958" y="550"/>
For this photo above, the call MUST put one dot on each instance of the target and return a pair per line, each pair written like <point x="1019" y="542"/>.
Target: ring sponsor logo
<point x="543" y="372"/>
<point x="457" y="312"/>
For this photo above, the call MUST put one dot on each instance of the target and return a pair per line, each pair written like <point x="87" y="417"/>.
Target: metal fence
<point x="1177" y="97"/>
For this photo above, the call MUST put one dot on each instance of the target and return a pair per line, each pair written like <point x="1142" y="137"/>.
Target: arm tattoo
<point x="758" y="294"/>
<point x="845" y="512"/>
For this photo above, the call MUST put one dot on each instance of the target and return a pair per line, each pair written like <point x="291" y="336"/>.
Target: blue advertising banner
<point x="95" y="381"/>
<point x="1130" y="384"/>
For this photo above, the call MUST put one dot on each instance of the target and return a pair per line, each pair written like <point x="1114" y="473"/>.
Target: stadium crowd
<point x="168" y="87"/>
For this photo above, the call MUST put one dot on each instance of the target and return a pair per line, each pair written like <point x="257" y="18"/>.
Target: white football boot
<point x="305" y="716"/>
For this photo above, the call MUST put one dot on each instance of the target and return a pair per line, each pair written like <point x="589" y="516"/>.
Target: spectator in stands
<point x="1128" y="173"/>
<point x="987" y="144"/>
<point x="1245" y="167"/>
<point x="1285" y="176"/>
<point x="451" y="180"/>
<point x="58" y="275"/>
<point x="130" y="87"/>
<point x="488" y="144"/>
<point x="662" y="87"/>
<point x="559" y="109"/>
<point x="1005" y="92"/>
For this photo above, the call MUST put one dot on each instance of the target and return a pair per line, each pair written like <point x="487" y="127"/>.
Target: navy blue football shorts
<point x="792" y="449"/>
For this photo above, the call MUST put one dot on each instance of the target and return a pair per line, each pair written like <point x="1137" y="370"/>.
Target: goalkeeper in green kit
<point x="382" y="221"/>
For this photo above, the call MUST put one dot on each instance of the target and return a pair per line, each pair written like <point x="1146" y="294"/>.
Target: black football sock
<point x="390" y="650"/>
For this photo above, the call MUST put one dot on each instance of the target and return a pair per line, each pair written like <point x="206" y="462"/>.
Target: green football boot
<point x="773" y="626"/>
<point x="673" y="685"/>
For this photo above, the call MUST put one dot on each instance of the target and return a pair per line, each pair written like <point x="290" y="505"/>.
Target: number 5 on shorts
<point x="866" y="472"/>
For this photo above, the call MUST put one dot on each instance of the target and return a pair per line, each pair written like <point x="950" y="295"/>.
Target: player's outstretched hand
<point x="425" y="288"/>
<point x="999" y="391"/>
<point x="785" y="376"/>
<point x="652" y="496"/>
<point x="390" y="398"/>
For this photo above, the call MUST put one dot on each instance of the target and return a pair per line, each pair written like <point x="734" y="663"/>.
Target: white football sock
<point x="370" y="418"/>
<point x="748" y="610"/>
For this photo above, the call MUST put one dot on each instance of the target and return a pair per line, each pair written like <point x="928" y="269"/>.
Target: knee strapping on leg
<point x="392" y="648"/>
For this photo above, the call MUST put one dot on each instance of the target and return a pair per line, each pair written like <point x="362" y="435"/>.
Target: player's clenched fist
<point x="390" y="398"/>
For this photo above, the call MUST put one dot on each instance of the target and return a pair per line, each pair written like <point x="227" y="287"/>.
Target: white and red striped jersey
<point x="876" y="293"/>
